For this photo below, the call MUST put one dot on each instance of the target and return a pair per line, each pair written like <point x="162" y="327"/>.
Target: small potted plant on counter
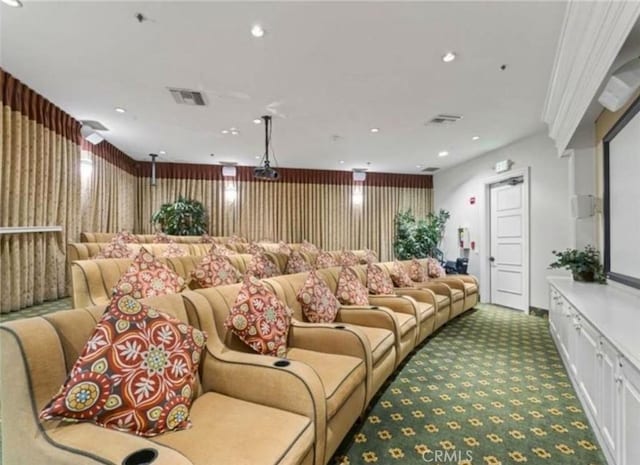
<point x="584" y="264"/>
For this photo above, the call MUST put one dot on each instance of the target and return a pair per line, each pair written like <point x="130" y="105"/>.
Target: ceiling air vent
<point x="444" y="119"/>
<point x="95" y="125"/>
<point x="430" y="169"/>
<point x="188" y="97"/>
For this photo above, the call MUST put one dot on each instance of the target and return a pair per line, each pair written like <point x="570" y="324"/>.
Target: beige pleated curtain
<point x="39" y="172"/>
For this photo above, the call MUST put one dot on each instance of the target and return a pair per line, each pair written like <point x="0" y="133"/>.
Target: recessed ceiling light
<point x="418" y="166"/>
<point x="234" y="133"/>
<point x="475" y="138"/>
<point x="258" y="157"/>
<point x="13" y="3"/>
<point x="162" y="152"/>
<point x="257" y="31"/>
<point x="342" y="162"/>
<point x="224" y="131"/>
<point x="257" y="121"/>
<point x="374" y="130"/>
<point x="120" y="110"/>
<point x="444" y="153"/>
<point x="233" y="129"/>
<point x="448" y="57"/>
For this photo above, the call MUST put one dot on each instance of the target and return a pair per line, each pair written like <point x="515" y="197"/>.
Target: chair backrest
<point x="146" y="238"/>
<point x="287" y="288"/>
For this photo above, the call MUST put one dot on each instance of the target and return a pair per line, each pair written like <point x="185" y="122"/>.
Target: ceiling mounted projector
<point x="621" y="86"/>
<point x="264" y="171"/>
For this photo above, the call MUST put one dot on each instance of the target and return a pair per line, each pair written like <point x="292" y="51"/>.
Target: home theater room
<point x="319" y="232"/>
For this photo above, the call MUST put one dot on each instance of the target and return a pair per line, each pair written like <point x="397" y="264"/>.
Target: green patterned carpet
<point x="488" y="389"/>
<point x="37" y="310"/>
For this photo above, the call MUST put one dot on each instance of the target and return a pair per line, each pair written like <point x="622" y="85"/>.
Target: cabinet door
<point x="555" y="311"/>
<point x="573" y="330"/>
<point x="609" y="398"/>
<point x="629" y="382"/>
<point x="564" y="329"/>
<point x="586" y="361"/>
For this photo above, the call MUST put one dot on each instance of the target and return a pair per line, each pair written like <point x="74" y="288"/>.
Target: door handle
<point x="492" y="259"/>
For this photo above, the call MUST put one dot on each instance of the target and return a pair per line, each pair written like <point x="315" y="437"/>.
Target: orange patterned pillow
<point x="434" y="269"/>
<point x="221" y="250"/>
<point x="254" y="248"/>
<point x="318" y="303"/>
<point x="147" y="277"/>
<point x="262" y="267"/>
<point x="378" y="281"/>
<point x="309" y="247"/>
<point x="348" y="258"/>
<point x="325" y="260"/>
<point x="417" y="272"/>
<point x="207" y="239"/>
<point x="174" y="250"/>
<point x="350" y="290"/>
<point x="137" y="373"/>
<point x="369" y="257"/>
<point x="115" y="249"/>
<point x="297" y="264"/>
<point x="161" y="238"/>
<point x="215" y="270"/>
<point x="284" y="248"/>
<point x="259" y="319"/>
<point x="127" y="237"/>
<point x="399" y="276"/>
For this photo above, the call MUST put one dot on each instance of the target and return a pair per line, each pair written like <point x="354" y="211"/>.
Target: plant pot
<point x="584" y="276"/>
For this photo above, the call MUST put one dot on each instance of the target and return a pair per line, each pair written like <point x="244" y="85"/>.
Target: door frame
<point x="485" y="233"/>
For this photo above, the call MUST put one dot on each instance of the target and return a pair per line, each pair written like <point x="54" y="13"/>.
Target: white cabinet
<point x="597" y="355"/>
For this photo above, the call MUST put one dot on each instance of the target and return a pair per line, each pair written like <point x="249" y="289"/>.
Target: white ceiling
<point x="339" y="69"/>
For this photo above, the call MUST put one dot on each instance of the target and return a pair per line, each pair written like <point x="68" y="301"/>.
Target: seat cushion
<point x="229" y="430"/>
<point x="340" y="374"/>
<point x="457" y="294"/>
<point x="380" y="340"/>
<point x="407" y="322"/>
<point x="470" y="288"/>
<point x="425" y="310"/>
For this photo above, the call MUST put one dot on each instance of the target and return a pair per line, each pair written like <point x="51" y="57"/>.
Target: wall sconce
<point x="230" y="193"/>
<point x="153" y="168"/>
<point x="358" y="195"/>
<point x="86" y="167"/>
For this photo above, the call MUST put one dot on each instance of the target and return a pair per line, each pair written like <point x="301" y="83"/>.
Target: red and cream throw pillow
<point x="221" y="250"/>
<point x="348" y="258"/>
<point x="350" y="290"/>
<point x="297" y="264"/>
<point x="174" y="250"/>
<point x="215" y="270"/>
<point x="399" y="276"/>
<point x="434" y="269"/>
<point x="254" y="248"/>
<point x="207" y="239"/>
<point x="378" y="281"/>
<point x="284" y="248"/>
<point x="147" y="277"/>
<point x="262" y="267"/>
<point x="161" y="238"/>
<point x="127" y="237"/>
<point x="308" y="247"/>
<point x="259" y="319"/>
<point x="115" y="249"/>
<point x="325" y="260"/>
<point x="137" y="373"/>
<point x="318" y="303"/>
<point x="417" y="272"/>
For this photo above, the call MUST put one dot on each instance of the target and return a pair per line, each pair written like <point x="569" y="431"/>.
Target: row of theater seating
<point x="249" y="408"/>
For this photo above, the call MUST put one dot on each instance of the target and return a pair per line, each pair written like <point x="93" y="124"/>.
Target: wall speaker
<point x="621" y="86"/>
<point x="582" y="206"/>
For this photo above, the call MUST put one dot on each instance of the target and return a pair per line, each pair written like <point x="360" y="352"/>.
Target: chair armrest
<point x="330" y="339"/>
<point x="110" y="445"/>
<point x="373" y="317"/>
<point x="437" y="288"/>
<point x="467" y="278"/>
<point x="452" y="282"/>
<point x="397" y="303"/>
<point x="421" y="295"/>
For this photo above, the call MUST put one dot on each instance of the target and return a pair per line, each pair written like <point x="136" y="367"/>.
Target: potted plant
<point x="584" y="264"/>
<point x="418" y="238"/>
<point x="184" y="217"/>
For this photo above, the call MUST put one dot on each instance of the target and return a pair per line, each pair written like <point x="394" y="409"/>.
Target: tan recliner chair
<point x="335" y="355"/>
<point x="230" y="415"/>
<point x="377" y="325"/>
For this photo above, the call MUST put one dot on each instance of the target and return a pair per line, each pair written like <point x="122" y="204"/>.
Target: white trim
<point x="485" y="233"/>
<point x="29" y="229"/>
<point x="592" y="35"/>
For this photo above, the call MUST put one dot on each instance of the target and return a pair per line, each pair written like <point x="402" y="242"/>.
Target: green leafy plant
<point x="182" y="218"/>
<point x="418" y="238"/>
<point x="584" y="264"/>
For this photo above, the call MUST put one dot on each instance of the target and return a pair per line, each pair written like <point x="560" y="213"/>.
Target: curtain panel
<point x="40" y="176"/>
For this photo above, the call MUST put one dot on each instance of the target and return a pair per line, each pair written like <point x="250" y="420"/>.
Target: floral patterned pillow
<point x="309" y="247"/>
<point x="284" y="248"/>
<point x="325" y="260"/>
<point x="215" y="270"/>
<point x="127" y="237"/>
<point x="378" y="281"/>
<point x="161" y="238"/>
<point x="297" y="264"/>
<point x="236" y="240"/>
<point x="137" y="373"/>
<point x="348" y="258"/>
<point x="318" y="303"/>
<point x="115" y="249"/>
<point x="262" y="267"/>
<point x="417" y="272"/>
<point x="221" y="250"/>
<point x="254" y="248"/>
<point x="350" y="290"/>
<point x="174" y="250"/>
<point x="147" y="277"/>
<point x="207" y="239"/>
<point x="435" y="269"/>
<point x="259" y="319"/>
<point x="369" y="257"/>
<point x="399" y="276"/>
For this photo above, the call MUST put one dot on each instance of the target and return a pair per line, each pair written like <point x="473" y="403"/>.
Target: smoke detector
<point x="188" y="97"/>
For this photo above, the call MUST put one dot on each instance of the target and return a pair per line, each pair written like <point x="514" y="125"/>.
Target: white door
<point x="509" y="249"/>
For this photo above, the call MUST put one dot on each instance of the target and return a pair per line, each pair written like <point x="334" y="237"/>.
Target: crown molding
<point x="592" y="35"/>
